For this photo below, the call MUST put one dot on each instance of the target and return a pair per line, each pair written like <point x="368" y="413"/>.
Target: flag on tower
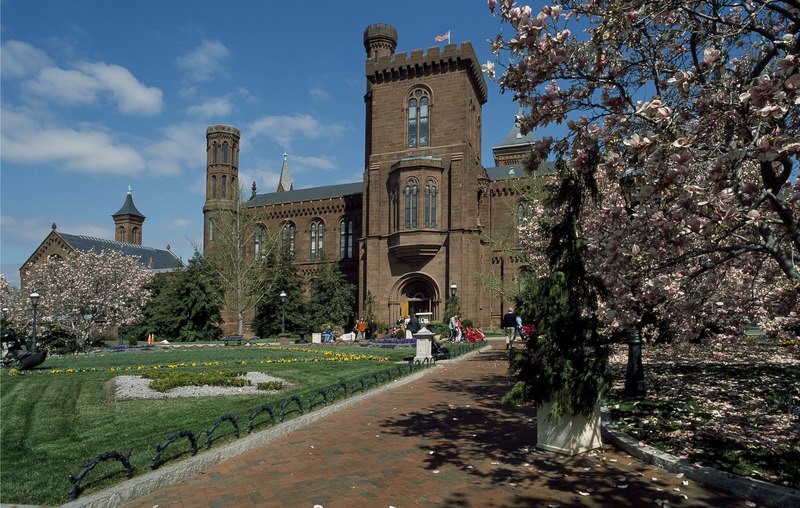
<point x="443" y="37"/>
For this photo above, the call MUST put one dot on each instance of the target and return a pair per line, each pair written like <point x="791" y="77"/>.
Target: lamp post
<point x="283" y="311"/>
<point x="630" y="182"/>
<point x="35" y="304"/>
<point x="452" y="305"/>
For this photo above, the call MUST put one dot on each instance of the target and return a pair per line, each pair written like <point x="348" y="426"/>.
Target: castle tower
<point x="422" y="178"/>
<point x="222" y="175"/>
<point x="128" y="222"/>
<point x="285" y="182"/>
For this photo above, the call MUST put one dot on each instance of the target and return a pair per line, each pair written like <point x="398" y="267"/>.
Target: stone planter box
<point x="571" y="435"/>
<point x="316" y="337"/>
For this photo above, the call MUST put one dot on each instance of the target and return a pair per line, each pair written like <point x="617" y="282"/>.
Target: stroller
<point x="473" y="334"/>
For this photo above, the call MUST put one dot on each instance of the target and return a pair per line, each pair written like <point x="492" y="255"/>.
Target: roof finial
<point x="129" y="189"/>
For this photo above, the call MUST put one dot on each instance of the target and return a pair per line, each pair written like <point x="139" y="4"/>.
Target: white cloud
<point x="284" y="128"/>
<point x="308" y="162"/>
<point x="37" y="229"/>
<point x="83" y="151"/>
<point x="179" y="224"/>
<point x="319" y="93"/>
<point x="179" y="146"/>
<point x="19" y="59"/>
<point x="88" y="81"/>
<point x="211" y="108"/>
<point x="266" y="180"/>
<point x="205" y="61"/>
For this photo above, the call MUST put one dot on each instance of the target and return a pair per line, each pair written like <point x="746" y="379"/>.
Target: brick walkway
<point x="442" y="440"/>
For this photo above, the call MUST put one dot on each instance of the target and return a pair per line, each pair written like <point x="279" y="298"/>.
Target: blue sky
<point x="99" y="95"/>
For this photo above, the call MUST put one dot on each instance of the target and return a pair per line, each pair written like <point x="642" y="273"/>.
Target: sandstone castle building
<point x="427" y="214"/>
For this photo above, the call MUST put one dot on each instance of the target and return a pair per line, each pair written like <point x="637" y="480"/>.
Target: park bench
<point x="233" y="340"/>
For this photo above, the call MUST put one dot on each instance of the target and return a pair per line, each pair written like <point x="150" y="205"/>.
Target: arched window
<point x="346" y="239"/>
<point x="394" y="205"/>
<point x="121" y="234"/>
<point x="287" y="236"/>
<point x="135" y="235"/>
<point x="258" y="242"/>
<point x="214" y="153"/>
<point x="213" y="186"/>
<point x="430" y="205"/>
<point x="225" y="152"/>
<point x="317" y="234"/>
<point x="524" y="212"/>
<point x="407" y="211"/>
<point x="418" y="119"/>
<point x="210" y="230"/>
<point x="224" y="186"/>
<point x="413" y="207"/>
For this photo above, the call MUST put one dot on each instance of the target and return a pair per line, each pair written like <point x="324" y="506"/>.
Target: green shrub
<point x="467" y="323"/>
<point x="270" y="385"/>
<point x="439" y="328"/>
<point x="166" y="380"/>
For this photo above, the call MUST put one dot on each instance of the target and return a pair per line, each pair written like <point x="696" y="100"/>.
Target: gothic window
<point x="214" y="186"/>
<point x="214" y="153"/>
<point x="430" y="205"/>
<point x="524" y="212"/>
<point x="394" y="206"/>
<point x="225" y="152"/>
<point x="121" y="234"/>
<point x="135" y="235"/>
<point x="258" y="242"/>
<point x="346" y="239"/>
<point x="287" y="235"/>
<point x="224" y="189"/>
<point x="410" y="211"/>
<point x="317" y="233"/>
<point x="418" y="119"/>
<point x="210" y="229"/>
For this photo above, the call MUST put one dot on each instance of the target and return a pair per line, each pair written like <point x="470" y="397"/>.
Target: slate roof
<point x="327" y="191"/>
<point x="128" y="208"/>
<point x="162" y="259"/>
<point x="515" y="137"/>
<point x="516" y="171"/>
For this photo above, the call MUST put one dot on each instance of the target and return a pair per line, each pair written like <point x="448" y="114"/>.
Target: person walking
<point x="361" y="327"/>
<point x="413" y="325"/>
<point x="509" y="324"/>
<point x="453" y="328"/>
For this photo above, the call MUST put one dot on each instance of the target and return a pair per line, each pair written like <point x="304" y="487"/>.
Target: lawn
<point x="733" y="407"/>
<point x="58" y="417"/>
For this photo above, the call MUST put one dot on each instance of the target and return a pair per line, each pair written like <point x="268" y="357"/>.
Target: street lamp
<point x="453" y="289"/>
<point x="283" y="311"/>
<point x="35" y="303"/>
<point x="630" y="182"/>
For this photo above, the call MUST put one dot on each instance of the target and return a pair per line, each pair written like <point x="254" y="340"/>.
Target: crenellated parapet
<point x="419" y="63"/>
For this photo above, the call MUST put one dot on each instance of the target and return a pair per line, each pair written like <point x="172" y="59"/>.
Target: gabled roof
<point x="516" y="138"/>
<point x="154" y="259"/>
<point x="312" y="193"/>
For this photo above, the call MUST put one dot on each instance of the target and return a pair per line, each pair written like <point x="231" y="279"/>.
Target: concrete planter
<point x="571" y="435"/>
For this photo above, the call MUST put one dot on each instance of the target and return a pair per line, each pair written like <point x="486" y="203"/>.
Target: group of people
<point x="366" y="330"/>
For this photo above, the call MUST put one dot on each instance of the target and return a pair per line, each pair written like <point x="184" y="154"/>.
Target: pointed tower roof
<point x="285" y="182"/>
<point x="129" y="208"/>
<point x="515" y="137"/>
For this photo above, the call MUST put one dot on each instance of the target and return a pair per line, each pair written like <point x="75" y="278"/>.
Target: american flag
<point x="443" y="37"/>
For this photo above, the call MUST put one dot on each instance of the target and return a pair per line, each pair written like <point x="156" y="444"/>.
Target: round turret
<point x="380" y="40"/>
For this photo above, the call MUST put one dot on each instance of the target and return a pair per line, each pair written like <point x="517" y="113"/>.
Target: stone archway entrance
<point x="417" y="295"/>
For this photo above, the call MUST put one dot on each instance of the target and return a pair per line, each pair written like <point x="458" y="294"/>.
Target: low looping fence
<point x="163" y="446"/>
<point x="292" y="404"/>
<point x="226" y="417"/>
<point x="76" y="480"/>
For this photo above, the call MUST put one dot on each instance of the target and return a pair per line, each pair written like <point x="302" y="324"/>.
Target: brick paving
<point x="443" y="440"/>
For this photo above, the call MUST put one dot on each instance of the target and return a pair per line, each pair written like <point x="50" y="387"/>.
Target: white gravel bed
<point x="137" y="387"/>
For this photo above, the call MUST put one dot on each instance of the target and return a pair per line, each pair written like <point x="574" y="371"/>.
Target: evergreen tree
<point x="269" y="312"/>
<point x="564" y="362"/>
<point x="332" y="297"/>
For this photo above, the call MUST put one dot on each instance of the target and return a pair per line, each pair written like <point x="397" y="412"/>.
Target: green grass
<point x="57" y="417"/>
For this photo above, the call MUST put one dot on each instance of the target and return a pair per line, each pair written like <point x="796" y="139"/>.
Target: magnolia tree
<point x="86" y="290"/>
<point x="686" y="115"/>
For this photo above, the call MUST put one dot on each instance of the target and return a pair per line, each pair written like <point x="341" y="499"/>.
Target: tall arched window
<point x="225" y="152"/>
<point x="213" y="153"/>
<point x="430" y="205"/>
<point x="287" y="236"/>
<point x="317" y="236"/>
<point x="418" y="119"/>
<point x="346" y="239"/>
<point x="224" y="186"/>
<point x="121" y="234"/>
<point x="394" y="205"/>
<point x="258" y="242"/>
<point x="135" y="235"/>
<point x="524" y="212"/>
<point x="213" y="186"/>
<point x="413" y="207"/>
<point x="407" y="210"/>
<point x="210" y="229"/>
